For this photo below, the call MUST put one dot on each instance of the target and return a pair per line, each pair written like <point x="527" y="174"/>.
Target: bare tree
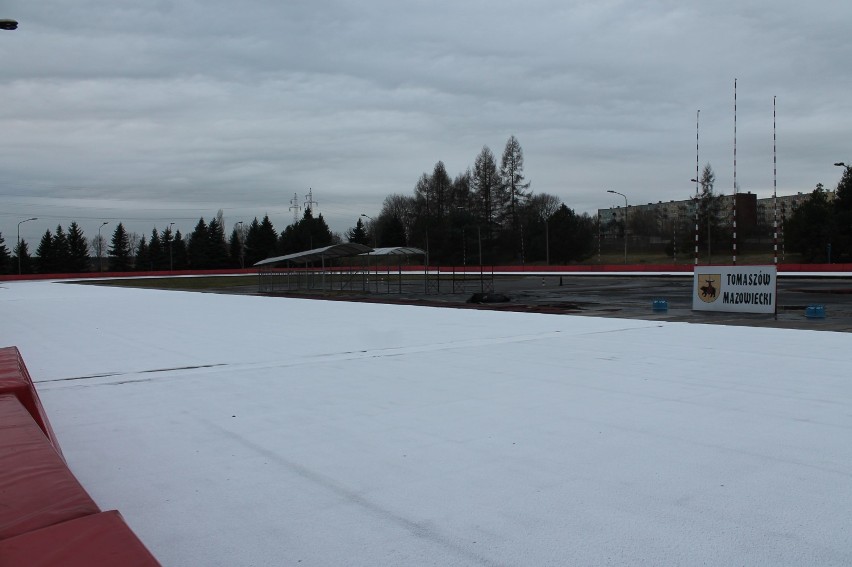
<point x="513" y="186"/>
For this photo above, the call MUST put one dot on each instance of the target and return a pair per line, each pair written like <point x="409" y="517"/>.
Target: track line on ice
<point x="386" y="352"/>
<point x="419" y="529"/>
<point x="111" y="374"/>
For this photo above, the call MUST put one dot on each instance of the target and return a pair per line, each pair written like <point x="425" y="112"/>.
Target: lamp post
<point x="372" y="229"/>
<point x="709" y="249"/>
<point x="19" y="239"/>
<point x="171" y="239"/>
<point x="625" y="220"/>
<point x="8" y="25"/>
<point x="100" y="247"/>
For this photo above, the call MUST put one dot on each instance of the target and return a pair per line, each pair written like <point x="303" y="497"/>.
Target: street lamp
<point x="709" y="250"/>
<point x="373" y="227"/>
<point x="8" y="25"/>
<point x="625" y="220"/>
<point x="100" y="247"/>
<point x="19" y="239"/>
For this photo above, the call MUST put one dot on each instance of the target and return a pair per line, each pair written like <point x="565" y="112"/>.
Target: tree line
<point x="821" y="228"/>
<point x="205" y="248"/>
<point x="486" y="212"/>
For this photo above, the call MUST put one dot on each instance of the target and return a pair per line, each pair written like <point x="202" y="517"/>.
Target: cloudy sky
<point x="165" y="111"/>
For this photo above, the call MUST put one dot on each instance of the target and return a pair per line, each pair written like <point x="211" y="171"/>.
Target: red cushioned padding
<point x="15" y="379"/>
<point x="36" y="488"/>
<point x="92" y="541"/>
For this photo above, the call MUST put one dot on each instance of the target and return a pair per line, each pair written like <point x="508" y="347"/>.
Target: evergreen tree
<point x="810" y="229"/>
<point x="197" y="249"/>
<point x="217" y="246"/>
<point x="78" y="249"/>
<point x="178" y="251"/>
<point x="143" y="256"/>
<point x="252" y="244"/>
<point x="236" y="252"/>
<point x="61" y="252"/>
<point x="572" y="236"/>
<point x="261" y="241"/>
<point x="709" y="206"/>
<point x="843" y="216"/>
<point x="358" y="234"/>
<point x="44" y="252"/>
<point x="158" y="257"/>
<point x="5" y="258"/>
<point x="119" y="250"/>
<point x="23" y="258"/>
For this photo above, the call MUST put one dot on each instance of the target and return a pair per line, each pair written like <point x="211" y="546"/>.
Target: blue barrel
<point x="815" y="312"/>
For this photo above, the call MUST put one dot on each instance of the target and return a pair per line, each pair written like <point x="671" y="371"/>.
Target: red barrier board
<point x="99" y="540"/>
<point x="36" y="488"/>
<point x="14" y="379"/>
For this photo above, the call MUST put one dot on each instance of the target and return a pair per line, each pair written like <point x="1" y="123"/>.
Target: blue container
<point x="815" y="312"/>
<point x="660" y="305"/>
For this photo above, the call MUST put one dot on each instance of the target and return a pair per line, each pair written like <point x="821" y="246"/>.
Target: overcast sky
<point x="165" y="111"/>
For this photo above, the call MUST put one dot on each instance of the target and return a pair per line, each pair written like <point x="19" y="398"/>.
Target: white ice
<point x="239" y="430"/>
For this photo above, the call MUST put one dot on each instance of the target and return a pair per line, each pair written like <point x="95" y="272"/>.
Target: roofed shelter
<point x="299" y="271"/>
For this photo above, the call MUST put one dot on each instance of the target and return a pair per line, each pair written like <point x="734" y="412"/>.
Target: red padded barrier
<point x="99" y="540"/>
<point x="36" y="488"/>
<point x="14" y="379"/>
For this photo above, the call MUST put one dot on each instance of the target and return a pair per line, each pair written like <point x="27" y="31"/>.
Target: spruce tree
<point x="119" y="251"/>
<point x="23" y="258"/>
<point x="267" y="239"/>
<point x="5" y="258"/>
<point x="178" y="251"/>
<point x="155" y="252"/>
<point x="143" y="256"/>
<point x="252" y="244"/>
<point x="45" y="253"/>
<point x="78" y="249"/>
<point x="235" y="248"/>
<point x="61" y="252"/>
<point x="217" y="246"/>
<point x="197" y="249"/>
<point x="358" y="234"/>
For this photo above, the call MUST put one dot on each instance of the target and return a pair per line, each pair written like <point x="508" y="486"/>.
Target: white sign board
<point x="741" y="289"/>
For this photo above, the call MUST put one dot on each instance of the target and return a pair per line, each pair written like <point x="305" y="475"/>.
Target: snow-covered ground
<point x="238" y="430"/>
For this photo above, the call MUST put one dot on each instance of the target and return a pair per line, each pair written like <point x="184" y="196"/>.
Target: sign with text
<point x="741" y="289"/>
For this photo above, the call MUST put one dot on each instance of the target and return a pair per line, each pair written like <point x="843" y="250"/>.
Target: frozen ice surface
<point x="238" y="430"/>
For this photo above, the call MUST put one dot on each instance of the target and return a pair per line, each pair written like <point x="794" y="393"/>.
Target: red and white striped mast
<point x="774" y="188"/>
<point x="735" y="172"/>
<point x="697" y="116"/>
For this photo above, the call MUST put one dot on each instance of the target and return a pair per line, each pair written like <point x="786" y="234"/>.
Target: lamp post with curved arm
<point x="100" y="247"/>
<point x="19" y="242"/>
<point x="625" y="220"/>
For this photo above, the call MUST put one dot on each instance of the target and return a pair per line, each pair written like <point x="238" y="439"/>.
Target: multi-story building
<point x="751" y="212"/>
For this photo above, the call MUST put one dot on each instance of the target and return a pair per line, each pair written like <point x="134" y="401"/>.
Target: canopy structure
<point x="316" y="269"/>
<point x="396" y="251"/>
<point x="318" y="254"/>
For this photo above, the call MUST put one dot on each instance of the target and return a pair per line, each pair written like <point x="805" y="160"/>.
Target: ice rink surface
<point x="242" y="430"/>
